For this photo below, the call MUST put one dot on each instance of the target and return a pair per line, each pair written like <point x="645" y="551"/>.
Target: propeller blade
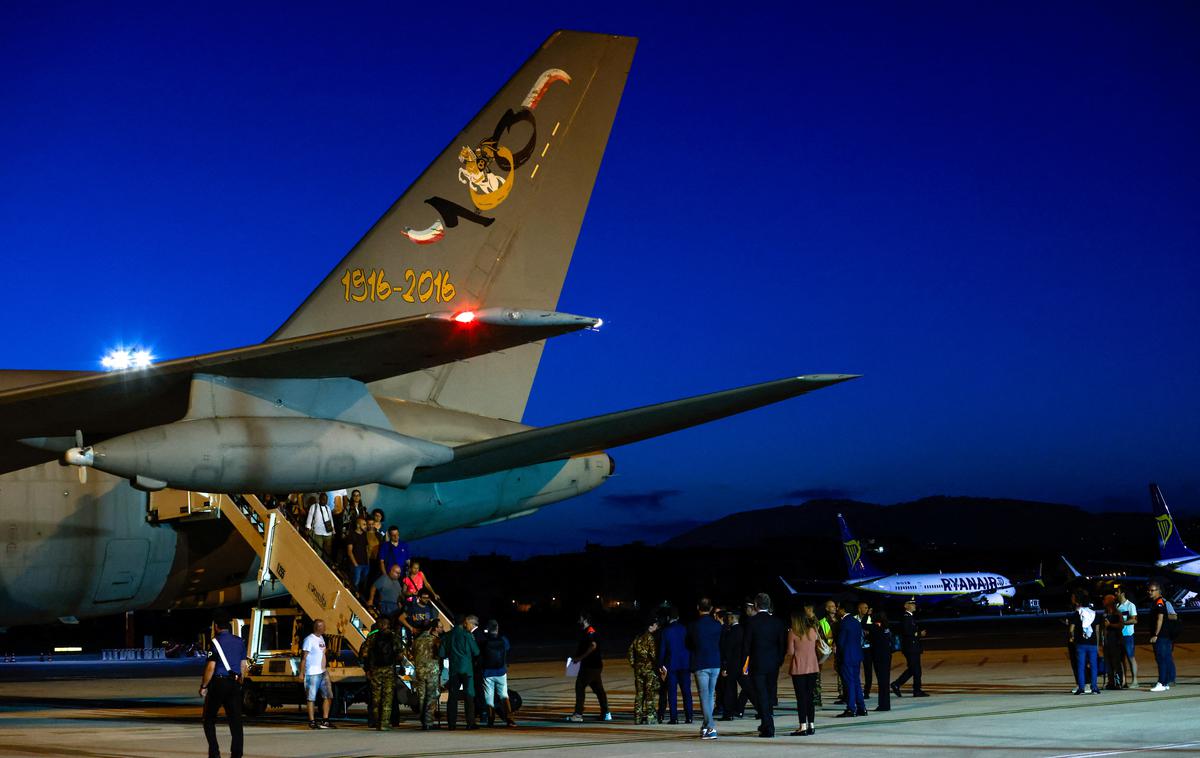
<point x="82" y="474"/>
<point x="78" y="438"/>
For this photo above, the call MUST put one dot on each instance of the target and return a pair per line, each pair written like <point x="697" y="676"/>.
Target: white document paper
<point x="572" y="667"/>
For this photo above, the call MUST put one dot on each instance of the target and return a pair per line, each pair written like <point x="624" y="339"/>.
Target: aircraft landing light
<point x="465" y="317"/>
<point x="122" y="358"/>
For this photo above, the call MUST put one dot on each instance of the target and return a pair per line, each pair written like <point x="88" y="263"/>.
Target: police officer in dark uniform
<point x="221" y="687"/>
<point x="910" y="646"/>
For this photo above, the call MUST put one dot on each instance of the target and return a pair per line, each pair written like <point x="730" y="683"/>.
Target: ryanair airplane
<point x="1173" y="554"/>
<point x="979" y="588"/>
<point x="1174" y="557"/>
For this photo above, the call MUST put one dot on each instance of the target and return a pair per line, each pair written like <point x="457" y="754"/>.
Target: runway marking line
<point x="1145" y="749"/>
<point x="629" y="740"/>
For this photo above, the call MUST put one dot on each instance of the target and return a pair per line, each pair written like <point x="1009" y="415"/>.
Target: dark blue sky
<point x="990" y="212"/>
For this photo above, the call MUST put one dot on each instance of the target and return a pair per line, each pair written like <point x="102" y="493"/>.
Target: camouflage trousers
<point x="427" y="684"/>
<point x="383" y="690"/>
<point x="646" y="685"/>
<point x="817" y="690"/>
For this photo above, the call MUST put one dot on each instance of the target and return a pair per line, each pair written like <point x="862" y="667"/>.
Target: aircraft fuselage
<point x="977" y="586"/>
<point x="85" y="550"/>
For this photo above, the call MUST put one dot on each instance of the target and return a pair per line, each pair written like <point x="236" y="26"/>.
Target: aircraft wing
<point x="599" y="432"/>
<point x="111" y="403"/>
<point x="1010" y="616"/>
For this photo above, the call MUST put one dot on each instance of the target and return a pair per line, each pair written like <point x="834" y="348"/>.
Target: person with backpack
<point x="1082" y="631"/>
<point x="1161" y="613"/>
<point x="319" y="526"/>
<point x="382" y="654"/>
<point x="494" y="667"/>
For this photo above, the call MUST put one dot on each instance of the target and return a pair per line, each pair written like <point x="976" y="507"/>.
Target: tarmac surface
<point x="1013" y="701"/>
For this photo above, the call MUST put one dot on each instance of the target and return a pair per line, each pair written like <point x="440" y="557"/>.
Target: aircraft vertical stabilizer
<point x="857" y="565"/>
<point x="492" y="222"/>
<point x="1170" y="544"/>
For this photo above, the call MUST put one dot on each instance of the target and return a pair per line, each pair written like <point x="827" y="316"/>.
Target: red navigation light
<point x="465" y="317"/>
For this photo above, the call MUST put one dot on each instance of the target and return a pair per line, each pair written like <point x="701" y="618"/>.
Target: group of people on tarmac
<point x="1103" y="643"/>
<point x="735" y="659"/>
<point x="476" y="671"/>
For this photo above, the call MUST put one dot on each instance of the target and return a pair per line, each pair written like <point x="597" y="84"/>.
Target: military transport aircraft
<point x="405" y="372"/>
<point x="976" y="588"/>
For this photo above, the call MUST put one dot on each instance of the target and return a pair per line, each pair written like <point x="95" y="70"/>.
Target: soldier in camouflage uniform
<point x="643" y="654"/>
<point x="383" y="648"/>
<point x="427" y="673"/>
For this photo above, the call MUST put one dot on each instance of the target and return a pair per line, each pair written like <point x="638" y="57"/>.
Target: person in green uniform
<point x="427" y="673"/>
<point x="460" y="648"/>
<point x="642" y="657"/>
<point x="383" y="653"/>
<point x="825" y="632"/>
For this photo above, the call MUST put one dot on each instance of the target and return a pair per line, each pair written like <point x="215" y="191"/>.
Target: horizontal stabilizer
<point x="612" y="429"/>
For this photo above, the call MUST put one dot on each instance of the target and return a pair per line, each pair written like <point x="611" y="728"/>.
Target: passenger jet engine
<point x="991" y="600"/>
<point x="236" y="455"/>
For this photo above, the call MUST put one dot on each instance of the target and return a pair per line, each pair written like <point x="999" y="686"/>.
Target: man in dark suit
<point x="675" y="668"/>
<point x="910" y="646"/>
<point x="765" y="646"/>
<point x="732" y="660"/>
<point x="849" y="644"/>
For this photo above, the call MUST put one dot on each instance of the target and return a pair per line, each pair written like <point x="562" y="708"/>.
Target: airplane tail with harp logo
<point x="857" y="566"/>
<point x="1171" y="548"/>
<point x="491" y="223"/>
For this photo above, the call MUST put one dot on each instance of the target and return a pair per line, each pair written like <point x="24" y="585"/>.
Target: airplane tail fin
<point x="857" y="566"/>
<point x="1074" y="571"/>
<point x="1170" y="544"/>
<point x="492" y="222"/>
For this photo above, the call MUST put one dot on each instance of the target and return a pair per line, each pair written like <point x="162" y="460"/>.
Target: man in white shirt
<point x="314" y="672"/>
<point x="1128" y="613"/>
<point x="320" y="525"/>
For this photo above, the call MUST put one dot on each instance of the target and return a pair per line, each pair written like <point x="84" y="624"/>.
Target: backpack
<point x="383" y="650"/>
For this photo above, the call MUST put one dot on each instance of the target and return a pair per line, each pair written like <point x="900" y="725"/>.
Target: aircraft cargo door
<point x="124" y="567"/>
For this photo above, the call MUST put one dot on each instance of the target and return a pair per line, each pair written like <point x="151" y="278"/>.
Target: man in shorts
<point x="314" y="672"/>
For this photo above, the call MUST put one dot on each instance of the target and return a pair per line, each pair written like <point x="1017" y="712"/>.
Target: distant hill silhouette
<point x="958" y="523"/>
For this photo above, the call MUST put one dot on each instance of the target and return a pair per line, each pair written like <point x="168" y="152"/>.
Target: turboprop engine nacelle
<point x="235" y="455"/>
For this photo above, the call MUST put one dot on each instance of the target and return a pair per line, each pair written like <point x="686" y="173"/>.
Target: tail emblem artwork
<point x="479" y="166"/>
<point x="853" y="551"/>
<point x="1166" y="527"/>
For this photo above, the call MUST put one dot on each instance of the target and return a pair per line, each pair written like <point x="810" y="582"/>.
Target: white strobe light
<point x="122" y="358"/>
